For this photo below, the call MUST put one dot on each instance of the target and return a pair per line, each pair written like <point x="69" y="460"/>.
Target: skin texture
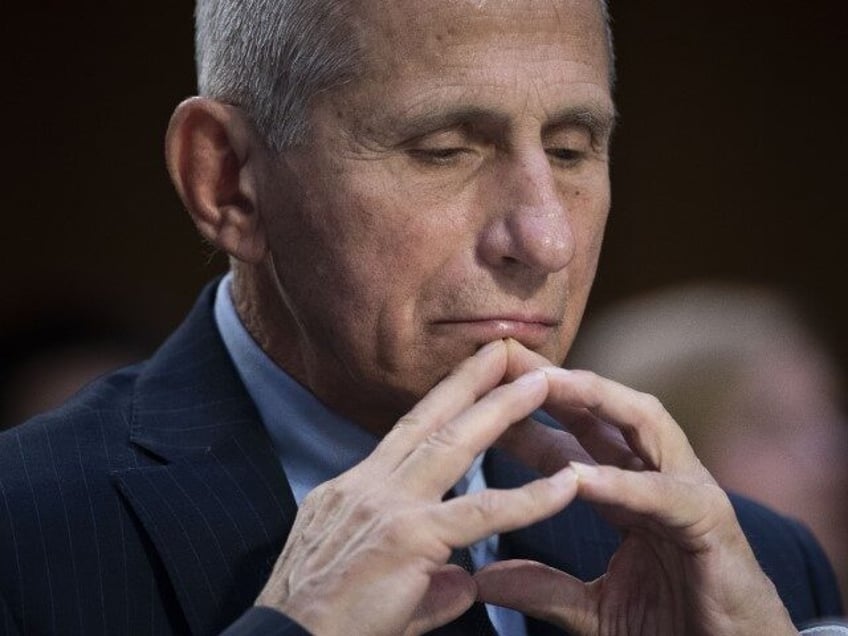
<point x="454" y="196"/>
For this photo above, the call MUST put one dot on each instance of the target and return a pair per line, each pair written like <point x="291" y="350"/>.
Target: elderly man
<point x="413" y="195"/>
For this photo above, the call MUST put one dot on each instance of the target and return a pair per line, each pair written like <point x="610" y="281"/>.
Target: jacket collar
<point x="189" y="396"/>
<point x="216" y="506"/>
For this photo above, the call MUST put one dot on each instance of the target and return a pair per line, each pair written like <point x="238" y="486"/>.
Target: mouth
<point x="532" y="332"/>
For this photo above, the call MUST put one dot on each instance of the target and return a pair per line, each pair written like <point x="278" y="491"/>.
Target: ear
<point x="214" y="157"/>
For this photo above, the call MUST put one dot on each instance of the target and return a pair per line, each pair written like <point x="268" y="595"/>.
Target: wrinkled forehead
<point x="405" y="31"/>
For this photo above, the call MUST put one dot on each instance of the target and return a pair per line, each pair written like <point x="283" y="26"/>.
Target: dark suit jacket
<point x="153" y="503"/>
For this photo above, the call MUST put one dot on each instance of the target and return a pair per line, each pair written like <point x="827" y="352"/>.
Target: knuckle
<point x="410" y="421"/>
<point x="589" y="387"/>
<point x="393" y="530"/>
<point x="364" y="511"/>
<point x="334" y="489"/>
<point x="314" y="497"/>
<point x="447" y="437"/>
<point x="331" y="494"/>
<point x="651" y="405"/>
<point x="717" y="498"/>
<point x="487" y="504"/>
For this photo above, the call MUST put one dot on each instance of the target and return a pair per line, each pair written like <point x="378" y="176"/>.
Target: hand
<point x="684" y="565"/>
<point x="369" y="548"/>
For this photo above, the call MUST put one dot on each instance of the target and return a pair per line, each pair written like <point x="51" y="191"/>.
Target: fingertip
<point x="584" y="472"/>
<point x="451" y="592"/>
<point x="557" y="372"/>
<point x="522" y="359"/>
<point x="564" y="487"/>
<point x="532" y="378"/>
<point x="564" y="478"/>
<point x="512" y="343"/>
<point x="491" y="347"/>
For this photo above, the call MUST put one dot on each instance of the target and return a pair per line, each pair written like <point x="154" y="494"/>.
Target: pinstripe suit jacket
<point x="153" y="503"/>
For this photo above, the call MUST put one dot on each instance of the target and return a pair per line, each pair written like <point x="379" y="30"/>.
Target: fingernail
<point x="557" y="371"/>
<point x="488" y="348"/>
<point x="584" y="470"/>
<point x="533" y="377"/>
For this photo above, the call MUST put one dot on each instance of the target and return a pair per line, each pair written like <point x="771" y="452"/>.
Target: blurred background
<point x="729" y="165"/>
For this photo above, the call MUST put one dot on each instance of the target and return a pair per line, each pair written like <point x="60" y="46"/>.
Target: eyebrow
<point x="430" y="121"/>
<point x="598" y="120"/>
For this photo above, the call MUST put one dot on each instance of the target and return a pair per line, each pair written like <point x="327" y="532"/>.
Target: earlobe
<point x="211" y="151"/>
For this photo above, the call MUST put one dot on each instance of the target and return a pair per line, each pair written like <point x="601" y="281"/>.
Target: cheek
<point x="591" y="212"/>
<point x="397" y="233"/>
<point x="368" y="257"/>
<point x="592" y="201"/>
<point x="589" y="223"/>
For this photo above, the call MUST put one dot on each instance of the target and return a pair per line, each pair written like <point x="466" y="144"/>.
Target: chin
<point x="555" y="353"/>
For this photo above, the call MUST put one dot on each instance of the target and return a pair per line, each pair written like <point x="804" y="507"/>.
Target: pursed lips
<point x="531" y="331"/>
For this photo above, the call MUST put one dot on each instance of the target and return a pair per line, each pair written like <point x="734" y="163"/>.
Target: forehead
<point x="432" y="32"/>
<point x="512" y="58"/>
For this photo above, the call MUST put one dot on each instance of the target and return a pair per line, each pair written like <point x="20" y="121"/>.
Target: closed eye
<point x="565" y="155"/>
<point x="436" y="156"/>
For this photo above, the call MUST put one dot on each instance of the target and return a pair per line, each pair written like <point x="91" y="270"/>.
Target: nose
<point x="530" y="223"/>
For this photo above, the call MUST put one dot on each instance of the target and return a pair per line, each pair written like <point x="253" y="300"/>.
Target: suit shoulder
<point x="67" y="541"/>
<point x="792" y="558"/>
<point x="86" y="435"/>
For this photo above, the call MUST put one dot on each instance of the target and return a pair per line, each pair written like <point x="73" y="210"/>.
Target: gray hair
<point x="272" y="57"/>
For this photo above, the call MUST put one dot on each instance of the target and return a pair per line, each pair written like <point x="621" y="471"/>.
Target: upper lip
<point x="537" y="319"/>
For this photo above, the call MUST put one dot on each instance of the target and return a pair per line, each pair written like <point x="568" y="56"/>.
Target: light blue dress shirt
<point x="315" y="444"/>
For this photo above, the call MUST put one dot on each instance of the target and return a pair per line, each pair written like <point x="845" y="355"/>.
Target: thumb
<point x="539" y="591"/>
<point x="452" y="591"/>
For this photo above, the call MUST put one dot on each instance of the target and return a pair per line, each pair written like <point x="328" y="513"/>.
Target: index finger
<point x="647" y="427"/>
<point x="470" y="380"/>
<point x="604" y="442"/>
<point x="638" y="419"/>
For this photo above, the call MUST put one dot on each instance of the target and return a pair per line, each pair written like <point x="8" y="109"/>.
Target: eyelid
<point x="446" y="137"/>
<point x="441" y="146"/>
<point x="438" y="156"/>
<point x="436" y="151"/>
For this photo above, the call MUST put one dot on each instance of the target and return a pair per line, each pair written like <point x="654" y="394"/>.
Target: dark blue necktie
<point x="475" y="621"/>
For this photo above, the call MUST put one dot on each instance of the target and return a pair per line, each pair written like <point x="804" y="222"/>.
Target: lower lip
<point x="530" y="334"/>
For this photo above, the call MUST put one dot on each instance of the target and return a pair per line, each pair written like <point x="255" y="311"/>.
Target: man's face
<point x="455" y="194"/>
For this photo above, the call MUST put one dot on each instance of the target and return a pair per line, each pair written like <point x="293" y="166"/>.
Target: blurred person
<point x="47" y="357"/>
<point x="756" y="392"/>
<point x="413" y="196"/>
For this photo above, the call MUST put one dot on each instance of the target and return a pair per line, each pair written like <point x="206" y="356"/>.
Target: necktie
<point x="475" y="621"/>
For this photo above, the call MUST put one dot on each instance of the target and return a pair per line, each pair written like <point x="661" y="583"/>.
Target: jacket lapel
<point x="215" y="503"/>
<point x="577" y="540"/>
